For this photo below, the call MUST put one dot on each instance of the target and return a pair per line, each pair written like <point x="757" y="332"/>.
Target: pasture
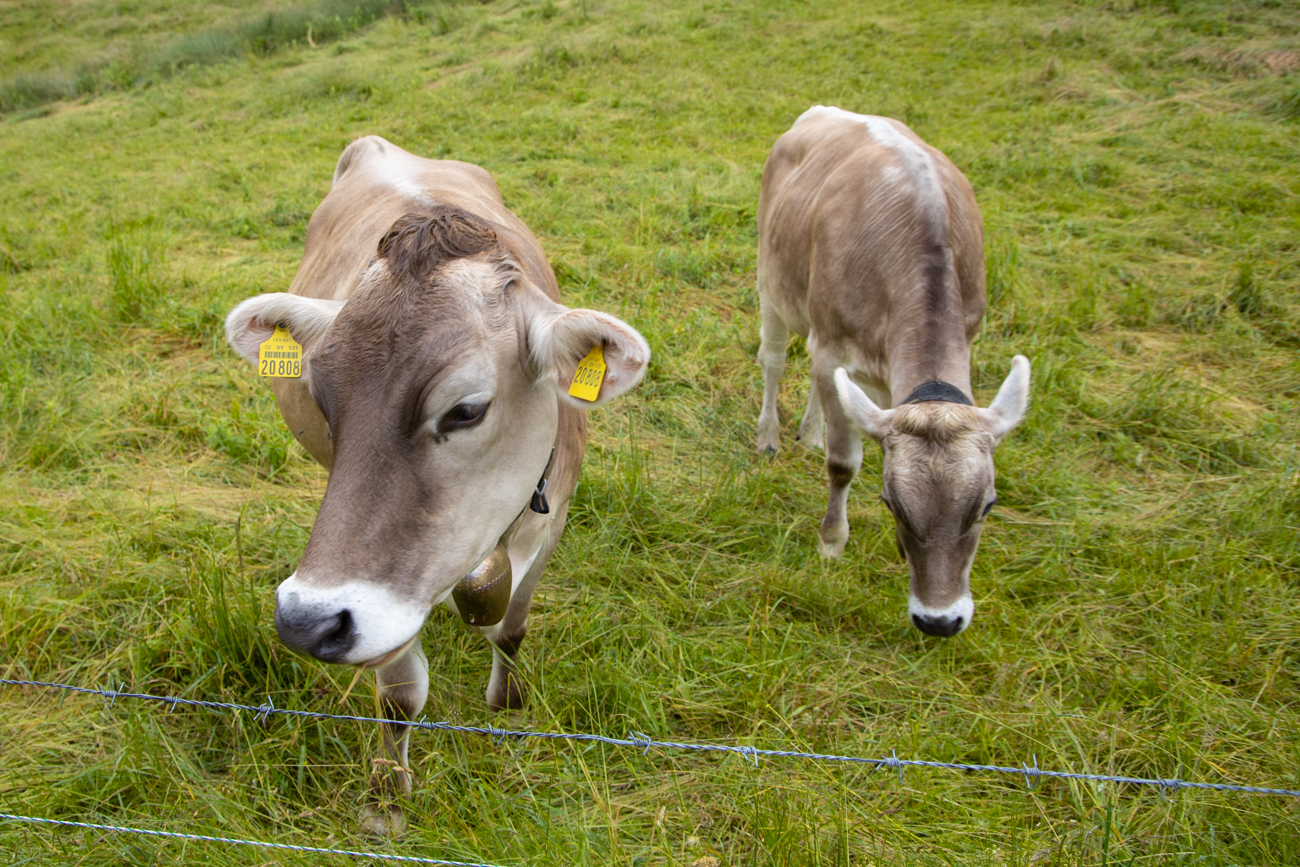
<point x="1137" y="589"/>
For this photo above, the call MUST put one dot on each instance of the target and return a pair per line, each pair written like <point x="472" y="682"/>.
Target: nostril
<point x="334" y="636"/>
<point x="327" y="638"/>
<point x="940" y="627"/>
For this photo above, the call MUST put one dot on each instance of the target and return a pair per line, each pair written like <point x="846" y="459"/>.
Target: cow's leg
<point x="403" y="687"/>
<point x="843" y="460"/>
<point x="506" y="689"/>
<point x="810" y="429"/>
<point x="771" y="357"/>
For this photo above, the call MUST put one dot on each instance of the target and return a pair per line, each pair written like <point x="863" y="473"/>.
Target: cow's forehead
<point x="961" y="463"/>
<point x="465" y="301"/>
<point x="450" y="296"/>
<point x="392" y="338"/>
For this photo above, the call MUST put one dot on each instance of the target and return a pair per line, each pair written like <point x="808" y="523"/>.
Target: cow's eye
<point x="461" y="416"/>
<point x="993" y="502"/>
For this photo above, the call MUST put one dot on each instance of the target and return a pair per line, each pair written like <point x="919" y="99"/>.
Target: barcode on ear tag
<point x="590" y="374"/>
<point x="280" y="355"/>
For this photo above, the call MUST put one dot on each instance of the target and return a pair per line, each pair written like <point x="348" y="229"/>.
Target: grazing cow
<point x="435" y="382"/>
<point x="870" y="245"/>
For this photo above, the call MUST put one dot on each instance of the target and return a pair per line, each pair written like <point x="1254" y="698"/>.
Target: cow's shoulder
<point x="822" y="143"/>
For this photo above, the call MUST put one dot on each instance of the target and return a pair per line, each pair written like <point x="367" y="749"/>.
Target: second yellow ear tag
<point x="280" y="355"/>
<point x="590" y="374"/>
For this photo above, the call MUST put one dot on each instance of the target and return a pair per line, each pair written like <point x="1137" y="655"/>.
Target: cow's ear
<point x="561" y="339"/>
<point x="250" y="324"/>
<point x="862" y="411"/>
<point x="1008" y="408"/>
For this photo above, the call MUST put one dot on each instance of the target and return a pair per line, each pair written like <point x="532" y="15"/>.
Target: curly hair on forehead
<point x="417" y="245"/>
<point x="936" y="424"/>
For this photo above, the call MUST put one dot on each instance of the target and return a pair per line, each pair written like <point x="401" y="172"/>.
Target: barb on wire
<point x="264" y="710"/>
<point x="893" y="762"/>
<point x="111" y="695"/>
<point x="1032" y="774"/>
<point x="639" y="739"/>
<point x="645" y="743"/>
<point x="176" y="835"/>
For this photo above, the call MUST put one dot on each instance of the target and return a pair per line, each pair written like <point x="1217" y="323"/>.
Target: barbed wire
<point x="1031" y="773"/>
<point x="176" y="835"/>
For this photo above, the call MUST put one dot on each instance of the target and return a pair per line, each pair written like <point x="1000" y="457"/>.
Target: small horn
<point x="483" y="595"/>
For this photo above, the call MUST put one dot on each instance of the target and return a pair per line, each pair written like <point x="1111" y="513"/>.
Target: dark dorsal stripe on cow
<point x="937" y="389"/>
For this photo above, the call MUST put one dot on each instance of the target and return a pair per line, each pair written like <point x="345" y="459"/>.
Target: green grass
<point x="122" y="46"/>
<point x="1138" y="591"/>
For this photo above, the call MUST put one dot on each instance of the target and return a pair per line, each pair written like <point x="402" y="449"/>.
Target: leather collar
<point x="538" y="502"/>
<point x="937" y="389"/>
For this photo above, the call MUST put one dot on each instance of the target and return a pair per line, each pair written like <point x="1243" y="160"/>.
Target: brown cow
<point x="436" y="366"/>
<point x="870" y="245"/>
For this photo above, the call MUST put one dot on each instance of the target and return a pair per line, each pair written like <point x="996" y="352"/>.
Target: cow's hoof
<point x="383" y="821"/>
<point x="812" y="438"/>
<point x="832" y="548"/>
<point x="769" y="441"/>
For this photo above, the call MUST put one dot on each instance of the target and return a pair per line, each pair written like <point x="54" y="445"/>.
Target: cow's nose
<point x="943" y="627"/>
<point x="327" y="637"/>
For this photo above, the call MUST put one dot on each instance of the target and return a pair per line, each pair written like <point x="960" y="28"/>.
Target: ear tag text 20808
<point x="280" y="355"/>
<point x="589" y="375"/>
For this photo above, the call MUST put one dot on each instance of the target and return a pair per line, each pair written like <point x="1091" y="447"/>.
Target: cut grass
<point x="124" y="65"/>
<point x="1137" y="600"/>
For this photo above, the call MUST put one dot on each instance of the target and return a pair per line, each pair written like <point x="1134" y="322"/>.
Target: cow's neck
<point x="924" y="351"/>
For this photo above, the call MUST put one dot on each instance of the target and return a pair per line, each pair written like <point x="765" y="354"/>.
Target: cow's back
<point x="856" y="214"/>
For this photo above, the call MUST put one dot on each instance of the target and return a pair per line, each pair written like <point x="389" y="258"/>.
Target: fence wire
<point x="1031" y="773"/>
<point x="174" y="835"/>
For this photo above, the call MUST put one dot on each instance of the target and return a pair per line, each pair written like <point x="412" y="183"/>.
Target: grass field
<point x="1137" y="590"/>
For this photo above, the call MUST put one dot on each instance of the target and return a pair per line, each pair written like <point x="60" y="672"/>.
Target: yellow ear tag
<point x="590" y="374"/>
<point x="280" y="355"/>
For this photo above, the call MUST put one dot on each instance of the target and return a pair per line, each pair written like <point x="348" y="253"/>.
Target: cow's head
<point x="937" y="480"/>
<point x="438" y="379"/>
